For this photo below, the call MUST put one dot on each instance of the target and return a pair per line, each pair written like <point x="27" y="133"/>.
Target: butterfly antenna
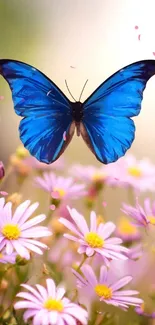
<point x="69" y="90"/>
<point x="83" y="89"/>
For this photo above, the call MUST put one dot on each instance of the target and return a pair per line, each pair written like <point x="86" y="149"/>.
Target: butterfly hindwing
<point x="108" y="111"/>
<point x="46" y="110"/>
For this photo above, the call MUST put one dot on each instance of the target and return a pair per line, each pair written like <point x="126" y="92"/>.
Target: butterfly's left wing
<point x="46" y="111"/>
<point x="107" y="125"/>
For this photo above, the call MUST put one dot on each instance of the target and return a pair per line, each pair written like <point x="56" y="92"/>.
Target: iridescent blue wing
<point x="107" y="125"/>
<point x="46" y="110"/>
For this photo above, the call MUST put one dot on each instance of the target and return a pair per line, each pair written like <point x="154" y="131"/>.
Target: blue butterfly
<point x="50" y="118"/>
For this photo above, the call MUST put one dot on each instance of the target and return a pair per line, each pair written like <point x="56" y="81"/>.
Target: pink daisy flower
<point x="96" y="239"/>
<point x="127" y="231"/>
<point x="16" y="231"/>
<point x="103" y="289"/>
<point x="60" y="187"/>
<point x="128" y="171"/>
<point x="89" y="174"/>
<point x="49" y="306"/>
<point x="142" y="216"/>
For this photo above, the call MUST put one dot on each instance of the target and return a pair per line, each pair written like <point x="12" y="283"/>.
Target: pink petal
<point x="79" y="220"/>
<point x="34" y="242"/>
<point x="93" y="221"/>
<point x="70" y="237"/>
<point x="103" y="274"/>
<point x="20" y="211"/>
<point x="29" y="313"/>
<point x="29" y="211"/>
<point x="33" y="221"/>
<point x="21" y="250"/>
<point x="121" y="283"/>
<point x="69" y="320"/>
<point x="107" y="229"/>
<point x="131" y="300"/>
<point x="116" y="255"/>
<point x="125" y="293"/>
<point x="8" y="212"/>
<point x="4" y="193"/>
<point x="38" y="319"/>
<point x="26" y="304"/>
<point x="60" y="293"/>
<point x="89" y="251"/>
<point x="51" y="288"/>
<point x="29" y="296"/>
<point x="42" y="291"/>
<point x="78" y="313"/>
<point x="53" y="316"/>
<point x="116" y="248"/>
<point x="114" y="241"/>
<point x="31" y="247"/>
<point x="34" y="291"/>
<point x="79" y="277"/>
<point x="9" y="247"/>
<point x="60" y="320"/>
<point x="81" y="249"/>
<point x="89" y="274"/>
<point x="36" y="232"/>
<point x="70" y="226"/>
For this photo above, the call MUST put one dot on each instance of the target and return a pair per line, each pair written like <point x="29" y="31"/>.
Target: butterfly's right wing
<point x="46" y="111"/>
<point x="107" y="125"/>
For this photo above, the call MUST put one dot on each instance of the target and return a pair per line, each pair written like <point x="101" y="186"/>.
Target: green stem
<point x="82" y="262"/>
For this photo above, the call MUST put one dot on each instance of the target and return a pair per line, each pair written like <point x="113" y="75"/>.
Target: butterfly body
<point x="49" y="118"/>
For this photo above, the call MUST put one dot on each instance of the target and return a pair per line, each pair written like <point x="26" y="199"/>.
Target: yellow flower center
<point x="1" y="255"/>
<point x="127" y="228"/>
<point x="53" y="304"/>
<point x="98" y="177"/>
<point x="11" y="231"/>
<point x="94" y="240"/>
<point x="135" y="172"/>
<point x="103" y="291"/>
<point x="142" y="306"/>
<point x="60" y="191"/>
<point x="151" y="219"/>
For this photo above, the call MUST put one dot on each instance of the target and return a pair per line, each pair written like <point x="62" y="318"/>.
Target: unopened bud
<point x="2" y="170"/>
<point x="21" y="152"/>
<point x="15" y="198"/>
<point x="21" y="261"/>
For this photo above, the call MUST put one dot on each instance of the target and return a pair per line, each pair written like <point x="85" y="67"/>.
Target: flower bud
<point x="2" y="170"/>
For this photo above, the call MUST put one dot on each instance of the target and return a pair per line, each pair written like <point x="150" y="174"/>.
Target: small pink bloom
<point x="142" y="216"/>
<point x="127" y="231"/>
<point x="94" y="239"/>
<point x="89" y="174"/>
<point x="17" y="233"/>
<point x="129" y="172"/>
<point x="49" y="306"/>
<point x="104" y="290"/>
<point x="2" y="170"/>
<point x="60" y="187"/>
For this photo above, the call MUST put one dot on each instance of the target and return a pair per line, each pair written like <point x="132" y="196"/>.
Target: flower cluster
<point x="76" y="268"/>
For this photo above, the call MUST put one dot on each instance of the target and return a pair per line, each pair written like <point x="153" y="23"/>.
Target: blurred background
<point x="78" y="40"/>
